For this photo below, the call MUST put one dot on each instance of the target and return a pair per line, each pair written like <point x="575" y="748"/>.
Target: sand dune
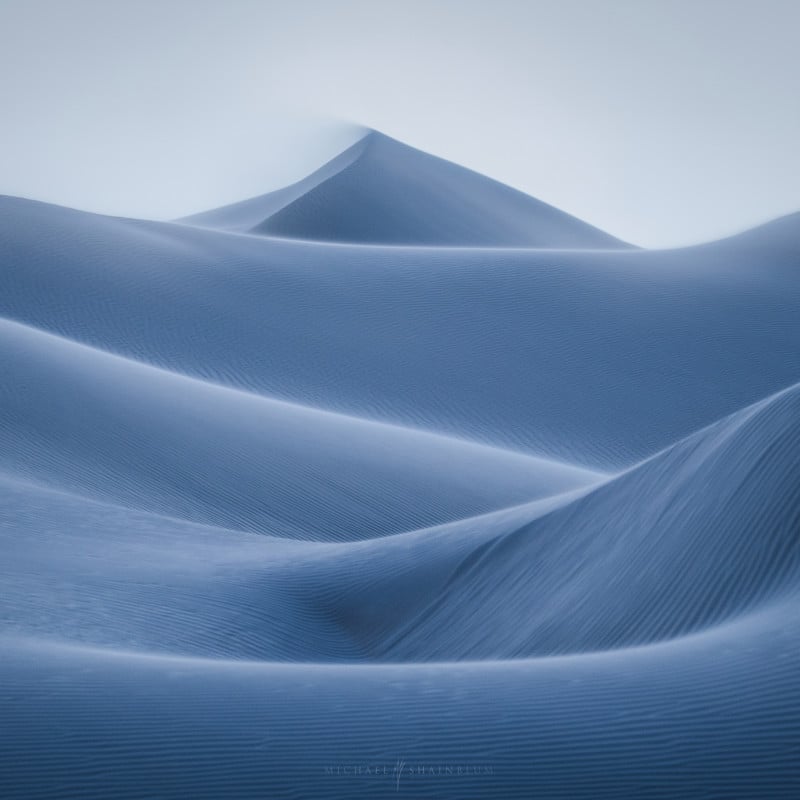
<point x="380" y="191"/>
<point x="396" y="481"/>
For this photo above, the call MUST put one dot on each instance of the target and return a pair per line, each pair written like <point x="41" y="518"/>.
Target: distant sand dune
<point x="382" y="192"/>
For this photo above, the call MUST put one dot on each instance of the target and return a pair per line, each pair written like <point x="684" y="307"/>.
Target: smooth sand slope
<point x="396" y="482"/>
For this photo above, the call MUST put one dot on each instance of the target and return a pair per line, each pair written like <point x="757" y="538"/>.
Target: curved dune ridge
<point x="396" y="481"/>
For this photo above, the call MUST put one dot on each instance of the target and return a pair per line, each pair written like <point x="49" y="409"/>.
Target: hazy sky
<point x="662" y="121"/>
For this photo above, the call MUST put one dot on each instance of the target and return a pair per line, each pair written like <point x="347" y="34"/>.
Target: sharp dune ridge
<point x="396" y="465"/>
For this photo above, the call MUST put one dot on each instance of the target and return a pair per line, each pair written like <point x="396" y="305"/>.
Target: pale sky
<point x="664" y="122"/>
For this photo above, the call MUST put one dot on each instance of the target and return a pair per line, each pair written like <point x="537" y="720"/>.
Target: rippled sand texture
<point x="396" y="482"/>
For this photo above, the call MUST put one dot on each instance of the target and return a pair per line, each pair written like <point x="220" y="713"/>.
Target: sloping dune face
<point x="396" y="481"/>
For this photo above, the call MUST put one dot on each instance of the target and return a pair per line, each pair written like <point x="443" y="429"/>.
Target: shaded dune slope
<point x="703" y="532"/>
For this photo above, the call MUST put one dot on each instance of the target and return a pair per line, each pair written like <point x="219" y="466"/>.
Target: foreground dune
<point x="396" y="481"/>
